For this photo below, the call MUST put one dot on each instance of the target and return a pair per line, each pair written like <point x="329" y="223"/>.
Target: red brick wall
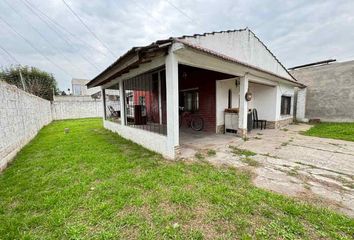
<point x="205" y="80"/>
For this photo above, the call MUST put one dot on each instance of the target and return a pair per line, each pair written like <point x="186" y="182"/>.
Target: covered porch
<point x="150" y="92"/>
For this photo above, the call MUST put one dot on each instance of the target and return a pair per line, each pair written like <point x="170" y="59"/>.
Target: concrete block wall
<point x="22" y="115"/>
<point x="330" y="91"/>
<point x="72" y="107"/>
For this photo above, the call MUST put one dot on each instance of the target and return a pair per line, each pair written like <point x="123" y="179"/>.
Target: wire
<point x="141" y="7"/>
<point x="88" y="29"/>
<point x="59" y="26"/>
<point x="182" y="12"/>
<point x="9" y="54"/>
<point x="36" y="49"/>
<point x="43" y="37"/>
<point x="61" y="37"/>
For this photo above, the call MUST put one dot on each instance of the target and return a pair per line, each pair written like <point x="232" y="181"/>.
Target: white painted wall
<point x="22" y="115"/>
<point x="243" y="46"/>
<point x="264" y="100"/>
<point x="301" y="105"/>
<point x="222" y="98"/>
<point x="153" y="141"/>
<point x="284" y="90"/>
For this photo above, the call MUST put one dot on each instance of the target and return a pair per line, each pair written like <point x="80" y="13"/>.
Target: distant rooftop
<point x="79" y="81"/>
<point x="314" y="64"/>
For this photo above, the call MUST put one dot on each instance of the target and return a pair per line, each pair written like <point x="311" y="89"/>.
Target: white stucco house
<point x="205" y="74"/>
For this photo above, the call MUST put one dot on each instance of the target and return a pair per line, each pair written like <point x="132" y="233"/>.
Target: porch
<point x="147" y="97"/>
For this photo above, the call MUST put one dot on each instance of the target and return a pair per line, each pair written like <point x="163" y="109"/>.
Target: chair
<point x="114" y="113"/>
<point x="256" y="120"/>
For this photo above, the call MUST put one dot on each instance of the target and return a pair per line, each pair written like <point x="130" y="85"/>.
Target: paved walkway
<point x="287" y="162"/>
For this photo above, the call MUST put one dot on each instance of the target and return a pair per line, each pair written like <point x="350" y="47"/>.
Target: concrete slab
<point x="289" y="163"/>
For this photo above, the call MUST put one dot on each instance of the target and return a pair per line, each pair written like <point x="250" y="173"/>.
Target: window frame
<point x="285" y="110"/>
<point x="194" y="93"/>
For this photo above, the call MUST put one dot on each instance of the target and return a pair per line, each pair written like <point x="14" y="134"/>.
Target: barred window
<point x="145" y="101"/>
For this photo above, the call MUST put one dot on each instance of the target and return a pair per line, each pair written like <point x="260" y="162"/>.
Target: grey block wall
<point x="72" y="107"/>
<point x="22" y="115"/>
<point x="330" y="91"/>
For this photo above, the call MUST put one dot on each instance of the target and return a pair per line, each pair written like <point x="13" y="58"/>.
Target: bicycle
<point x="194" y="121"/>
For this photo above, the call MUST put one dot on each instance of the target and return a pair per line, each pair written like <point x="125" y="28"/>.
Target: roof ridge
<point x="240" y="30"/>
<point x="272" y="54"/>
<point x="211" y="33"/>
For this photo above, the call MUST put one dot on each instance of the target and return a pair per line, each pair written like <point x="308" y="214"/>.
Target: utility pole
<point x="23" y="82"/>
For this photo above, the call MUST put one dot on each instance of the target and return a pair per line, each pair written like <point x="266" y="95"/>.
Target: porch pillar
<point x="243" y="108"/>
<point x="103" y="94"/>
<point x="121" y="102"/>
<point x="171" y="65"/>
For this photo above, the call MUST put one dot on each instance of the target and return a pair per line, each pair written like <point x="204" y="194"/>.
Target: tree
<point x="34" y="80"/>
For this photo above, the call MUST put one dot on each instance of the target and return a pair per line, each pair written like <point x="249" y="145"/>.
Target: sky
<point x="47" y="35"/>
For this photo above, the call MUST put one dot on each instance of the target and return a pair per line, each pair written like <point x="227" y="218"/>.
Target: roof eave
<point x="135" y="52"/>
<point x="227" y="58"/>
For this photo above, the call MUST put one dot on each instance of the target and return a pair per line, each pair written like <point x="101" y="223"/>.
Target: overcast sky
<point x="297" y="32"/>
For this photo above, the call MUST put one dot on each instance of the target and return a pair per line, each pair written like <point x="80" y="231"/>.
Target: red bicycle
<point x="194" y="121"/>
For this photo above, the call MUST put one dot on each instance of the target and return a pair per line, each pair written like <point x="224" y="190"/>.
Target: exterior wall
<point x="79" y="87"/>
<point x="205" y="81"/>
<point x="284" y="90"/>
<point x="300" y="104"/>
<point x="153" y="141"/>
<point x="264" y="100"/>
<point x="70" y="107"/>
<point x="242" y="45"/>
<point x="330" y="91"/>
<point x="222" y="99"/>
<point x="280" y="123"/>
<point x="22" y="115"/>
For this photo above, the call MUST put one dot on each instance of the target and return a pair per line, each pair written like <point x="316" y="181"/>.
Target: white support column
<point x="243" y="108"/>
<point x="103" y="95"/>
<point x="122" y="103"/>
<point x="172" y="103"/>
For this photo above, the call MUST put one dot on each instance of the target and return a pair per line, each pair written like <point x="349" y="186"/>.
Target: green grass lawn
<point x="343" y="131"/>
<point x="92" y="184"/>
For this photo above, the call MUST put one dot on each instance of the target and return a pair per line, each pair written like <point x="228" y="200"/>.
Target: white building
<point x="79" y="87"/>
<point x="205" y="74"/>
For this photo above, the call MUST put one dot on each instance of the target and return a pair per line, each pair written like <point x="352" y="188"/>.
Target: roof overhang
<point x="232" y="60"/>
<point x="140" y="55"/>
<point x="131" y="60"/>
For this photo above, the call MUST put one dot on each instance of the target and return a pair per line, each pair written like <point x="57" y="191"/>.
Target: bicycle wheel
<point x="197" y="123"/>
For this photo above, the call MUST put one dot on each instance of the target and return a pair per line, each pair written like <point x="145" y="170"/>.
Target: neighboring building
<point x="330" y="90"/>
<point x="79" y="87"/>
<point x="204" y="73"/>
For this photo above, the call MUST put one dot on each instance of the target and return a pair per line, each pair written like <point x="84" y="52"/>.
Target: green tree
<point x="34" y="80"/>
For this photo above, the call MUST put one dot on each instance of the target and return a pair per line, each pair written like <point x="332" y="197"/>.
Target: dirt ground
<point x="316" y="169"/>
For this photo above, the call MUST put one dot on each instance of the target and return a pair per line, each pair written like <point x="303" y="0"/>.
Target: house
<point x="79" y="87"/>
<point x="329" y="94"/>
<point x="205" y="74"/>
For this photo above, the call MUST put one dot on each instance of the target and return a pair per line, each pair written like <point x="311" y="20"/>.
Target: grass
<point x="250" y="161"/>
<point x="211" y="152"/>
<point x="343" y="131"/>
<point x="92" y="184"/>
<point x="242" y="152"/>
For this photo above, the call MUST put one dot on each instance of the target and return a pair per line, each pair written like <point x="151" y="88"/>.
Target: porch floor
<point x="287" y="162"/>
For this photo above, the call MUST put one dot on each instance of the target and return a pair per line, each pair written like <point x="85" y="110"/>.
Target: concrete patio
<point x="290" y="163"/>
